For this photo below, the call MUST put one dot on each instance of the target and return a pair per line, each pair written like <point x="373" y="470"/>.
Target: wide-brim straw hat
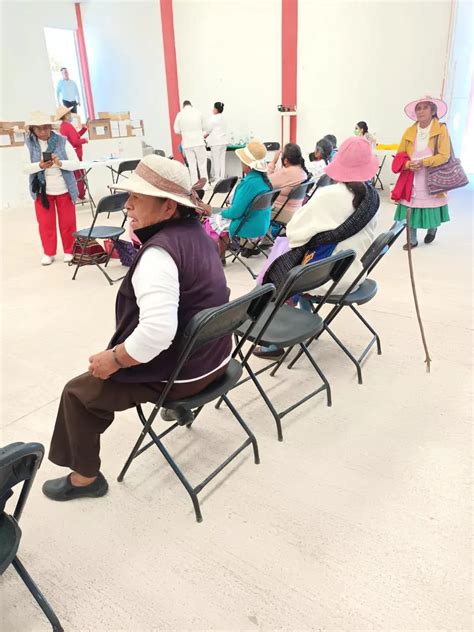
<point x="164" y="178"/>
<point x="61" y="111"/>
<point x="441" y="107"/>
<point x="354" y="162"/>
<point x="253" y="155"/>
<point x="38" y="118"/>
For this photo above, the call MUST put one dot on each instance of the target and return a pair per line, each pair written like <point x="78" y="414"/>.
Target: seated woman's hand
<point x="102" y="365"/>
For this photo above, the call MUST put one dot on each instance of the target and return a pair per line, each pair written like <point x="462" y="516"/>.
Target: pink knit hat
<point x="353" y="162"/>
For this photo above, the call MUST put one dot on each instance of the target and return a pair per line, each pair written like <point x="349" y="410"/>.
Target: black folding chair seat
<point x="205" y="327"/>
<point x="100" y="232"/>
<point x="364" y="293"/>
<point x="212" y="392"/>
<point x="287" y="327"/>
<point x="10" y="536"/>
<point x="19" y="463"/>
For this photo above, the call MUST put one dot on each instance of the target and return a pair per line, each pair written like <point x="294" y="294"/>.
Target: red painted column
<point x="171" y="70"/>
<point x="289" y="58"/>
<point x="81" y="45"/>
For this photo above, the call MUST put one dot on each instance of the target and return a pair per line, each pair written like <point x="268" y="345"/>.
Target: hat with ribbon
<point x="61" y="111"/>
<point x="165" y="178"/>
<point x="253" y="155"/>
<point x="38" y="119"/>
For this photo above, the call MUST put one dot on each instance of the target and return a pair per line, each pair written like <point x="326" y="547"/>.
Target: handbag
<point x="447" y="176"/>
<point x="90" y="254"/>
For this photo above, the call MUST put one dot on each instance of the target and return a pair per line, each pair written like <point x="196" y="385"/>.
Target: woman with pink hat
<point x="425" y="144"/>
<point x="337" y="217"/>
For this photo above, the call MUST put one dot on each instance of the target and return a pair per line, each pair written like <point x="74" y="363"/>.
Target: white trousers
<point x="218" y="153"/>
<point x="196" y="157"/>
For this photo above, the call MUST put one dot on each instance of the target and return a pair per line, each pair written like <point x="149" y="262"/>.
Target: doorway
<point x="62" y="52"/>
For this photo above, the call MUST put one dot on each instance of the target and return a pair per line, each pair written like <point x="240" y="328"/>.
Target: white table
<point x="112" y="164"/>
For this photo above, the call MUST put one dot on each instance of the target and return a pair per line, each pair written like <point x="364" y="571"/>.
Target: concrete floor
<point x="359" y="520"/>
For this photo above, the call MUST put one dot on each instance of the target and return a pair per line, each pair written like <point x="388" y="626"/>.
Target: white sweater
<point x="327" y="209"/>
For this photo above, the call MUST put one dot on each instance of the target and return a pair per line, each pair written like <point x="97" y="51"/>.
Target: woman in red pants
<point x="68" y="130"/>
<point x="53" y="185"/>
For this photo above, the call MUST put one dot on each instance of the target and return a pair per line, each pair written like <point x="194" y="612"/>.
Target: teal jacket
<point x="258" y="222"/>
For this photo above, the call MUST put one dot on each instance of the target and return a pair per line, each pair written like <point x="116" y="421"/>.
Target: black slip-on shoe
<point x="430" y="237"/>
<point x="181" y="415"/>
<point x="261" y="352"/>
<point x="62" y="489"/>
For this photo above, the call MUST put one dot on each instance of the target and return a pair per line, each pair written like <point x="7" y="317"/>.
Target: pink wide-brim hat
<point x="353" y="162"/>
<point x="441" y="107"/>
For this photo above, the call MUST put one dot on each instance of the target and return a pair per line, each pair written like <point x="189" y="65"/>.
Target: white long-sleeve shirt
<point x="190" y="124"/>
<point x="217" y="128"/>
<point x="156" y="285"/>
<point x="55" y="183"/>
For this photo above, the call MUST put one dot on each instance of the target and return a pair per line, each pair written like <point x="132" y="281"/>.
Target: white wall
<point x="230" y="51"/>
<point x="26" y="82"/>
<point x="125" y="53"/>
<point x="365" y="61"/>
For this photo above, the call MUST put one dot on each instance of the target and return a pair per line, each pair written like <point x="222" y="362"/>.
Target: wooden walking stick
<point x="415" y="297"/>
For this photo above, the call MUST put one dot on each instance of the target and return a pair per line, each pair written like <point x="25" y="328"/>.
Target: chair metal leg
<point x="319" y="372"/>
<point x="369" y="327"/>
<point x="347" y="352"/>
<point x="139" y="441"/>
<point x="267" y="401"/>
<point x="251" y="436"/>
<point x="38" y="595"/>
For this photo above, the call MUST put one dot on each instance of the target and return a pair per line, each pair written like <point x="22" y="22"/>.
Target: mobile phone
<point x="47" y="156"/>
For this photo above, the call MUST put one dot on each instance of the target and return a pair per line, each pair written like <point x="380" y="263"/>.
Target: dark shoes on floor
<point x="405" y="247"/>
<point x="61" y="489"/>
<point x="181" y="415"/>
<point x="263" y="352"/>
<point x="430" y="237"/>
<point x="249" y="252"/>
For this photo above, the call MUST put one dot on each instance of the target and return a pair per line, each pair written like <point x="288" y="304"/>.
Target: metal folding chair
<point x="286" y="326"/>
<point x="160" y="152"/>
<point x="205" y="327"/>
<point x="357" y="294"/>
<point x="19" y="463"/>
<point x="224" y="186"/>
<point x="323" y="181"/>
<point x="109" y="204"/>
<point x="376" y="178"/>
<point x="272" y="146"/>
<point x="127" y="166"/>
<point x="297" y="193"/>
<point x="261" y="202"/>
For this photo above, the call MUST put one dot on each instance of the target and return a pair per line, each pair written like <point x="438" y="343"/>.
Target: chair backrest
<point x="112" y="203"/>
<point x="19" y="463"/>
<point x="272" y="146"/>
<point x="396" y="229"/>
<point x="127" y="165"/>
<point x="216" y="322"/>
<point x="378" y="248"/>
<point x="305" y="278"/>
<point x="160" y="152"/>
<point x="226" y="185"/>
<point x="299" y="191"/>
<point x="264" y="200"/>
<point x="324" y="181"/>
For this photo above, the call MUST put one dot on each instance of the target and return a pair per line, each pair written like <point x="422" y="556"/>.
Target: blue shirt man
<point x="67" y="91"/>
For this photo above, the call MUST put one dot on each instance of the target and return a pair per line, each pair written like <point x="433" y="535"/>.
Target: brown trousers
<point x="87" y="409"/>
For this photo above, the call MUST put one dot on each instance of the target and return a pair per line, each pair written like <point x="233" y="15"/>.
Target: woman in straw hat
<point x="68" y="130"/>
<point x="419" y="142"/>
<point x="53" y="185"/>
<point x="176" y="274"/>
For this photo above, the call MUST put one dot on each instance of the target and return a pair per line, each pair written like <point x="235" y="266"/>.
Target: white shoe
<point x="46" y="260"/>
<point x="68" y="258"/>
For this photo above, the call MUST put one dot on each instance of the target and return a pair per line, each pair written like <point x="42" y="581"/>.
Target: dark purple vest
<point x="202" y="285"/>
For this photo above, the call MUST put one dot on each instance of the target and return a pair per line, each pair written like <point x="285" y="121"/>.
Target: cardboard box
<point x="115" y="116"/>
<point x="99" y="128"/>
<point x="12" y="133"/>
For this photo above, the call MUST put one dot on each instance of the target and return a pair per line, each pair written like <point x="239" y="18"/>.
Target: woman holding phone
<point x="53" y="185"/>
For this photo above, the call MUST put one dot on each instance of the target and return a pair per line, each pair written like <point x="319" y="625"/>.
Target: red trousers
<point x="81" y="187"/>
<point x="66" y="211"/>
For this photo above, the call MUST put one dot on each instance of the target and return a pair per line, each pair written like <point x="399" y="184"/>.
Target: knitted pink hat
<point x="353" y="162"/>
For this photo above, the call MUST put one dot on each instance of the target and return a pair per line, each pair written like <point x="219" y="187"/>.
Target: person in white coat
<point x="216" y="139"/>
<point x="189" y="123"/>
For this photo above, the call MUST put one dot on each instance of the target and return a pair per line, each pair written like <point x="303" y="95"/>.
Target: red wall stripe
<point x="81" y="44"/>
<point x="171" y="69"/>
<point x="289" y="58"/>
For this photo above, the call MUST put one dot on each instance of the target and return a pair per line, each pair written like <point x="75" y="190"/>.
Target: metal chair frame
<point x="204" y="327"/>
<point x="224" y="186"/>
<point x="108" y="204"/>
